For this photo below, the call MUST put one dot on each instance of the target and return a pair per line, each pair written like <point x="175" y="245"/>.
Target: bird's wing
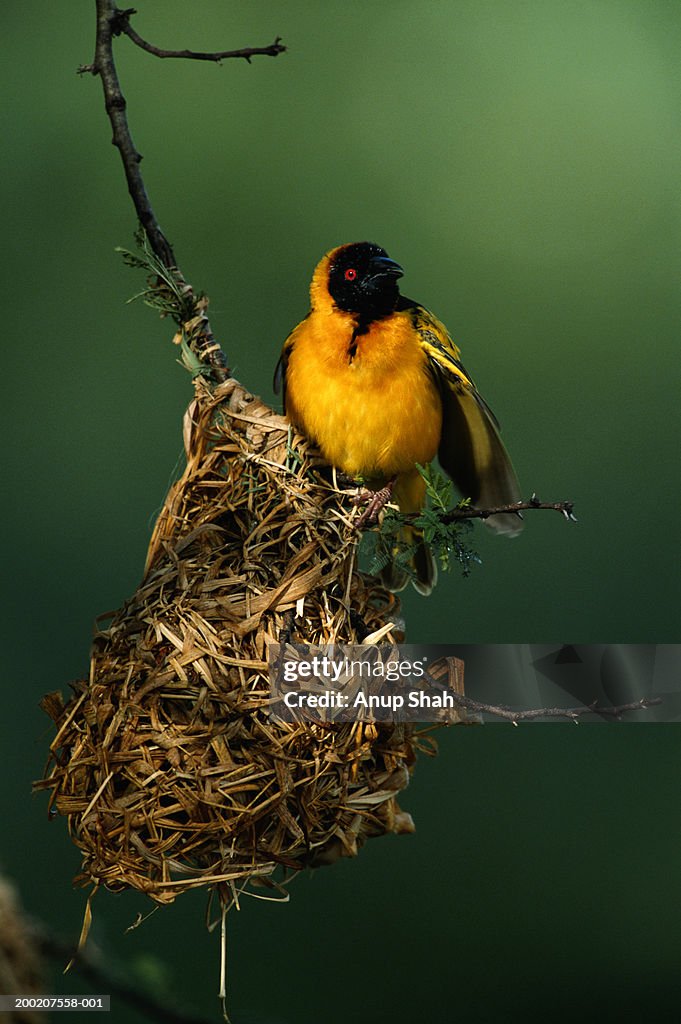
<point x="279" y="382"/>
<point x="282" y="364"/>
<point x="471" y="450"/>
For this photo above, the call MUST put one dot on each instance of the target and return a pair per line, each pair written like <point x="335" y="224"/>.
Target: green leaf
<point x="447" y="540"/>
<point x="166" y="291"/>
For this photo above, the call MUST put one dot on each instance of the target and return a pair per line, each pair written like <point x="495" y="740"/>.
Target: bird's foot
<point x="376" y="502"/>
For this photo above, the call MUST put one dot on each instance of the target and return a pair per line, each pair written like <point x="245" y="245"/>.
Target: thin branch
<point x="115" y="104"/>
<point x="112" y="22"/>
<point x="104" y="979"/>
<point x="123" y="26"/>
<point x="573" y="714"/>
<point x="448" y="668"/>
<point x="516" y="508"/>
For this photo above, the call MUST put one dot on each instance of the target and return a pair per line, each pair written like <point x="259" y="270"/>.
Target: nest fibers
<point x="165" y="762"/>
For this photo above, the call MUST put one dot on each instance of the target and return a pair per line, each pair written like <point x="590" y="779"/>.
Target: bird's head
<point x="360" y="278"/>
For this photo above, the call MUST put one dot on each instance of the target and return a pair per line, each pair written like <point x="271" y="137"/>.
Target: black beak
<point x="383" y="266"/>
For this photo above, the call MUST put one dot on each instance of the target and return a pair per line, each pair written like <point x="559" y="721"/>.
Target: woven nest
<point x="165" y="762"/>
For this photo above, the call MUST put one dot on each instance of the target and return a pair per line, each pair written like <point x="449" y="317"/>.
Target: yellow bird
<point x="376" y="382"/>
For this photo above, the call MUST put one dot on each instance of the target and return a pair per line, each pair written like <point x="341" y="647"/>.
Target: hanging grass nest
<point x="166" y="764"/>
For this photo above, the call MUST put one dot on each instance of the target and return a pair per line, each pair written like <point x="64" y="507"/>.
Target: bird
<point x="376" y="382"/>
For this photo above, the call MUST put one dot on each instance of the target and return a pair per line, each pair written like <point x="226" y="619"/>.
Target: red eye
<point x="350" y="274"/>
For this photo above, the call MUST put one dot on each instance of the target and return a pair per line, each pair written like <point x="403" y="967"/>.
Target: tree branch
<point x="517" y="507"/>
<point x="115" y="104"/>
<point x="123" y="25"/>
<point x="447" y="669"/>
<point x="573" y="714"/>
<point x="112" y="22"/>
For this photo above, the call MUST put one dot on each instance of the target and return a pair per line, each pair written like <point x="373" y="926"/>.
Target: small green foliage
<point x="190" y="360"/>
<point x="166" y="291"/>
<point x="446" y="539"/>
<point x="439" y="491"/>
<point x="392" y="543"/>
<point x="388" y="544"/>
<point x="293" y="458"/>
<point x="253" y="486"/>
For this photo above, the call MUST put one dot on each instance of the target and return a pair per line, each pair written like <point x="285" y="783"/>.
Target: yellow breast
<point x="370" y="404"/>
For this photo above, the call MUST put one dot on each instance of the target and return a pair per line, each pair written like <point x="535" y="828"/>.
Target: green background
<point x="522" y="162"/>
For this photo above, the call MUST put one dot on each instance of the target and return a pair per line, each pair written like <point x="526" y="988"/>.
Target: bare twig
<point x="517" y="507"/>
<point x="573" y="714"/>
<point x="114" y="102"/>
<point x="448" y="668"/>
<point x="123" y="26"/>
<point x="107" y="981"/>
<point x="111" y="22"/>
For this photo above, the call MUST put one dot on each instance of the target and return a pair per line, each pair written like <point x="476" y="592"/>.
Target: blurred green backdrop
<point x="522" y="161"/>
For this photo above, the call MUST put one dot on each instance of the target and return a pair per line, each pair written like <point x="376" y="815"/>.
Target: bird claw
<point x="376" y="502"/>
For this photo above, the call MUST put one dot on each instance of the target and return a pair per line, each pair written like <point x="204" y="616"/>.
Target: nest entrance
<point x="165" y="763"/>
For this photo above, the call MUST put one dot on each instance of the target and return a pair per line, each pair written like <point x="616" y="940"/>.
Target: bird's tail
<point x="409" y="493"/>
<point x="423" y="570"/>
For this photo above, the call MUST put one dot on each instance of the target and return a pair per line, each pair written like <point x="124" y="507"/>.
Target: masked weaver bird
<point x="375" y="380"/>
